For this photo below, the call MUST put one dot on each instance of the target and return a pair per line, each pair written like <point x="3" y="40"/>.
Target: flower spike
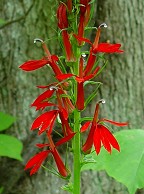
<point x="99" y="134"/>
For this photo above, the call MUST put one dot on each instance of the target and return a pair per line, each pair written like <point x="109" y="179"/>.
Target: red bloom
<point x="99" y="134"/>
<point x="45" y="122"/>
<point x="36" y="64"/>
<point x="35" y="162"/>
<point x="84" y="17"/>
<point x="69" y="5"/>
<point x="63" y="25"/>
<point x="47" y="119"/>
<point x="96" y="48"/>
<point x="80" y="81"/>
<point x="33" y="64"/>
<point x="42" y="100"/>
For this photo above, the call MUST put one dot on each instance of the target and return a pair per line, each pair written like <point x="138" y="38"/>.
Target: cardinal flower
<point x="99" y="134"/>
<point x="42" y="101"/>
<point x="84" y="17"/>
<point x="63" y="25"/>
<point x="36" y="161"/>
<point x="80" y="81"/>
<point x="98" y="47"/>
<point x="45" y="122"/>
<point x="32" y="65"/>
<point x="63" y="105"/>
<point x="69" y="5"/>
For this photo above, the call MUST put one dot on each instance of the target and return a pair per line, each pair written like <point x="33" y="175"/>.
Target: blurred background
<point x="23" y="20"/>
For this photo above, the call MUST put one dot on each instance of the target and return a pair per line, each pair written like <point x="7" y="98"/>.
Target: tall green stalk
<point x="76" y="139"/>
<point x="77" y="150"/>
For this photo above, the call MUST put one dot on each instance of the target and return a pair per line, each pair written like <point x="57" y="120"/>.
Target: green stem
<point x="76" y="140"/>
<point x="77" y="117"/>
<point x="77" y="150"/>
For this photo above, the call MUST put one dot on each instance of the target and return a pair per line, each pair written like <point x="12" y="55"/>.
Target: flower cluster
<point x="66" y="95"/>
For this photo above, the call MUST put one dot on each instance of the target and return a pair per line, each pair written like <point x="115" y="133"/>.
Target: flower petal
<point x="80" y="96"/>
<point x="65" y="139"/>
<point x="114" y="122"/>
<point x="90" y="63"/>
<point x="109" y="48"/>
<point x="111" y="138"/>
<point x="42" y="145"/>
<point x="90" y="139"/>
<point x="45" y="118"/>
<point x="43" y="105"/>
<point x="60" y="165"/>
<point x="64" y="76"/>
<point x="85" y="126"/>
<point x="33" y="64"/>
<point x="36" y="161"/>
<point x="82" y="39"/>
<point x="104" y="138"/>
<point x="97" y="140"/>
<point x="45" y="95"/>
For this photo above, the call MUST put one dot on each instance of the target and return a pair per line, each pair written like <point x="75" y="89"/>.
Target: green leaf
<point x="6" y="121"/>
<point x="86" y="119"/>
<point x="127" y="166"/>
<point x="92" y="95"/>
<point x="10" y="147"/>
<point x="91" y="82"/>
<point x="1" y="190"/>
<point x="68" y="187"/>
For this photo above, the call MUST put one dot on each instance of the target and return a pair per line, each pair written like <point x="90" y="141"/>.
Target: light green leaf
<point x="127" y="166"/>
<point x="6" y="121"/>
<point x="86" y="119"/>
<point x="10" y="147"/>
<point x="91" y="82"/>
<point x="92" y="95"/>
<point x="68" y="187"/>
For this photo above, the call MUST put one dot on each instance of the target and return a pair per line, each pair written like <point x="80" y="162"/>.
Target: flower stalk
<point x="64" y="99"/>
<point x="76" y="154"/>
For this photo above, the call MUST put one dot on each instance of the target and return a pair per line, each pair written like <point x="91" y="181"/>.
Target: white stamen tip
<point x="84" y="55"/>
<point x="40" y="126"/>
<point x="102" y="101"/>
<point x="53" y="88"/>
<point x="104" y="25"/>
<point x="38" y="40"/>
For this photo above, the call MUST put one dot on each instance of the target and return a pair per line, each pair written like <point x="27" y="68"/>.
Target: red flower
<point x="42" y="100"/>
<point x="99" y="134"/>
<point x="36" y="64"/>
<point x="35" y="162"/>
<point x="98" y="47"/>
<point x="80" y="81"/>
<point x="33" y="64"/>
<point x="47" y="119"/>
<point x="84" y="17"/>
<point x="69" y="5"/>
<point x="45" y="122"/>
<point x="63" y="25"/>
